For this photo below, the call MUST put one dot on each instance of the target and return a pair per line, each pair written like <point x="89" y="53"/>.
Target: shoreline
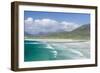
<point x="56" y="40"/>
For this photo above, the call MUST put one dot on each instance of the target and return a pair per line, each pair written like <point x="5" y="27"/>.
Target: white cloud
<point x="69" y="26"/>
<point x="43" y="26"/>
<point x="29" y="20"/>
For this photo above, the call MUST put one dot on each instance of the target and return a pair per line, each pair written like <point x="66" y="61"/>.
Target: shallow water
<point x="40" y="51"/>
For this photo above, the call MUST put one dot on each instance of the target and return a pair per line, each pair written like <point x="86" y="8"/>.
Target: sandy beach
<point x="57" y="40"/>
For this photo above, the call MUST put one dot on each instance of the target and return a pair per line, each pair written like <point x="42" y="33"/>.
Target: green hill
<point x="82" y="32"/>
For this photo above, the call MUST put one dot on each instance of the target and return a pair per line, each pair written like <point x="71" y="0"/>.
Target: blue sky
<point x="78" y="18"/>
<point x="48" y="22"/>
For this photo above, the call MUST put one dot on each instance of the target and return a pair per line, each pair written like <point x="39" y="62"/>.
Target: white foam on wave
<point x="50" y="47"/>
<point x="32" y="43"/>
<point x="76" y="52"/>
<point x="54" y="53"/>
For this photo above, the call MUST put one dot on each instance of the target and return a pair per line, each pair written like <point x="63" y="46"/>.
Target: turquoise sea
<point x="42" y="51"/>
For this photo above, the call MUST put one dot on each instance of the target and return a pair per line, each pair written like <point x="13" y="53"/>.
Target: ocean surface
<point x="42" y="51"/>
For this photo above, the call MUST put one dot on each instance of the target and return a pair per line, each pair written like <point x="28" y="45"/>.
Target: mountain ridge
<point x="83" y="32"/>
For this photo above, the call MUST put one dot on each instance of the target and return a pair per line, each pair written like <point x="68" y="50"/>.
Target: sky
<point x="37" y="22"/>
